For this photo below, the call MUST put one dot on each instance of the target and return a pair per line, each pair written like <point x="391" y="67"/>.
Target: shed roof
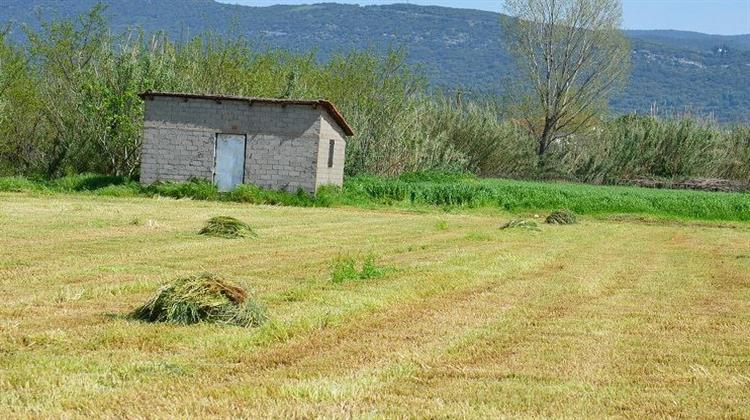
<point x="327" y="105"/>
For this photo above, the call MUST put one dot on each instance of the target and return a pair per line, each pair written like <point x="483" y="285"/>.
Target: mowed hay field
<point x="611" y="317"/>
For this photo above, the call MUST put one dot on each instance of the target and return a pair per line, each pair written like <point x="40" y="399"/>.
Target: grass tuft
<point x="227" y="227"/>
<point x="253" y="194"/>
<point x="371" y="270"/>
<point x="129" y="190"/>
<point x="347" y="269"/>
<point x="562" y="217"/>
<point x="195" y="189"/>
<point x="203" y="298"/>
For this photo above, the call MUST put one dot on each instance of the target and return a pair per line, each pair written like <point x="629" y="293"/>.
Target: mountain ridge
<point x="678" y="71"/>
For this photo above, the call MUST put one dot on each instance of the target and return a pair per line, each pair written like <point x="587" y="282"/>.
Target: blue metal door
<point x="229" y="168"/>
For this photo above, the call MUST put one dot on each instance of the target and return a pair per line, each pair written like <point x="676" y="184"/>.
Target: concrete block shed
<point x="273" y="143"/>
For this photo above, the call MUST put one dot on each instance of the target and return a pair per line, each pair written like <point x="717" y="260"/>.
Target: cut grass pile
<point x="227" y="227"/>
<point x="520" y="224"/>
<point x="562" y="217"/>
<point x="431" y="189"/>
<point x="205" y="298"/>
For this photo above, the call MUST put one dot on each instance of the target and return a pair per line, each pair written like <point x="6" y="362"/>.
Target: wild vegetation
<point x="69" y="104"/>
<point x="448" y="191"/>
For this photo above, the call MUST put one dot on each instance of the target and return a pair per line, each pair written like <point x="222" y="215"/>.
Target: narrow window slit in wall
<point x="331" y="147"/>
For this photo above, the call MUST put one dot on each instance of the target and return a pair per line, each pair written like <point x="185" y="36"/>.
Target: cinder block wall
<point x="283" y="142"/>
<point x="329" y="130"/>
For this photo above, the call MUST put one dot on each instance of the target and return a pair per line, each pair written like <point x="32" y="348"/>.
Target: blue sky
<point x="726" y="17"/>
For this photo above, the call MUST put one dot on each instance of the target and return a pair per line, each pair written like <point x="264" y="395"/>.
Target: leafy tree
<point x="21" y="125"/>
<point x="571" y="55"/>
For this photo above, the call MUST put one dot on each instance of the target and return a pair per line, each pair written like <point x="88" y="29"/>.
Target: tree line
<point x="69" y="104"/>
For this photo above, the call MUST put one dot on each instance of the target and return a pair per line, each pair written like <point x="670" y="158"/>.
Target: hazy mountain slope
<point x="678" y="71"/>
<point x="693" y="40"/>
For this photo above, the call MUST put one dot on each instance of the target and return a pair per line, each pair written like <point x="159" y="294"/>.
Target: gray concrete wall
<point x="329" y="130"/>
<point x="283" y="142"/>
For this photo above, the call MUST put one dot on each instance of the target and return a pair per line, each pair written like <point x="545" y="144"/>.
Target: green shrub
<point x="203" y="298"/>
<point x="227" y="227"/>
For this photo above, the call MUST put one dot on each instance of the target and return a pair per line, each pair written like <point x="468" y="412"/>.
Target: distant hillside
<point x="678" y="71"/>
